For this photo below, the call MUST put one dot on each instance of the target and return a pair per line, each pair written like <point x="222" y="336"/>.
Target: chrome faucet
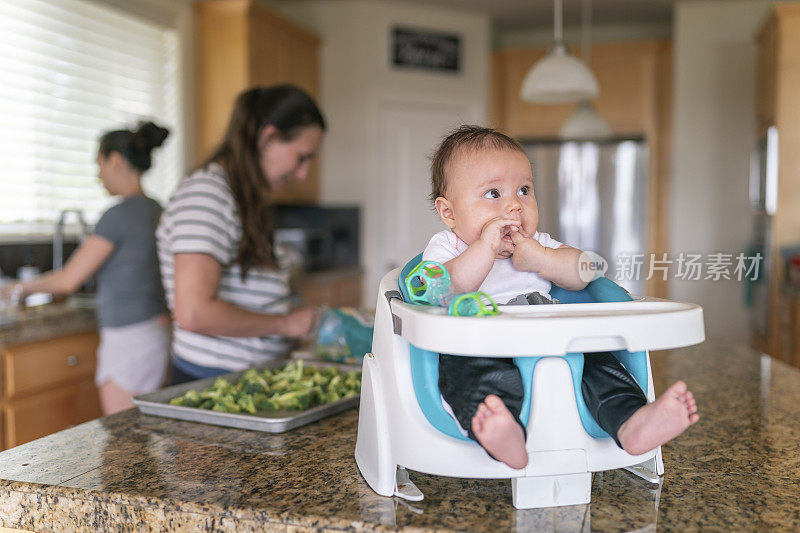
<point x="58" y="236"/>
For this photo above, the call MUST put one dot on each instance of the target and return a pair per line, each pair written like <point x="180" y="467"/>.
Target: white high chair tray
<point x="642" y="324"/>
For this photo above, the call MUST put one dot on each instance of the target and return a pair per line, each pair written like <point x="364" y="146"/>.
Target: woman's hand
<point x="11" y="293"/>
<point x="300" y="323"/>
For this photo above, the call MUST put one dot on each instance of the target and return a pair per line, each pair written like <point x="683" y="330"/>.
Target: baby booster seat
<point x="402" y="422"/>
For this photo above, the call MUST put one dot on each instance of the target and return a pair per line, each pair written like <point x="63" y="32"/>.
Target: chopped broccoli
<point x="292" y="387"/>
<point x="245" y="401"/>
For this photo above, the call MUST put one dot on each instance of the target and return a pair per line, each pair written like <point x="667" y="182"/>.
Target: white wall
<point x="714" y="132"/>
<point x="356" y="84"/>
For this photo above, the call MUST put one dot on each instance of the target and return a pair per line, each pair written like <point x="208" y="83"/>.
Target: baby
<point x="483" y="191"/>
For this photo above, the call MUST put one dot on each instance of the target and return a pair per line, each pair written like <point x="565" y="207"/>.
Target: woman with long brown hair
<point x="225" y="280"/>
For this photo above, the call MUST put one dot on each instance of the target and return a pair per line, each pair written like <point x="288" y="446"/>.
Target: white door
<point x="409" y="133"/>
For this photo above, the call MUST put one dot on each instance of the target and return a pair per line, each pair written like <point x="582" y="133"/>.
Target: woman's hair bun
<point x="135" y="146"/>
<point x="150" y="135"/>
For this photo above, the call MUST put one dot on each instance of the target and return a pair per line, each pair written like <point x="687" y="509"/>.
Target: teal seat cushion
<point x="425" y="364"/>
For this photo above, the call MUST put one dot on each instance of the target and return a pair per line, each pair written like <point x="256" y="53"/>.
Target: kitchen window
<point x="73" y="69"/>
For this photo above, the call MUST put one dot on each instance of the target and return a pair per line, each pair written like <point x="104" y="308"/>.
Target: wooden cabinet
<point x="242" y="44"/>
<point x="334" y="289"/>
<point x="48" y="386"/>
<point x="788" y="316"/>
<point x="42" y="365"/>
<point x="778" y="104"/>
<point x="41" y="414"/>
<point x="635" y="97"/>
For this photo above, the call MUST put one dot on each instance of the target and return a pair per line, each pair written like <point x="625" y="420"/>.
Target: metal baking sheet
<point x="157" y="403"/>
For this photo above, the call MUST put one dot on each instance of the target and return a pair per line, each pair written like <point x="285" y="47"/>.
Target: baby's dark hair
<point x="135" y="146"/>
<point x="466" y="137"/>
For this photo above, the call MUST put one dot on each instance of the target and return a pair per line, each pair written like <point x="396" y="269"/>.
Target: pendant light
<point x="585" y="123"/>
<point x="558" y="77"/>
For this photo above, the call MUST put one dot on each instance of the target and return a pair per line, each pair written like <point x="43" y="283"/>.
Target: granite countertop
<point x="51" y="320"/>
<point x="738" y="469"/>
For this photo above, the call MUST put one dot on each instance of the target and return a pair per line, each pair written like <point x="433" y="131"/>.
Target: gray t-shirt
<point x="129" y="286"/>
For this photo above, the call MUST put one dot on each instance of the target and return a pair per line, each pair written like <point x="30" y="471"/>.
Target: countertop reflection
<point x="737" y="469"/>
<point x="48" y="321"/>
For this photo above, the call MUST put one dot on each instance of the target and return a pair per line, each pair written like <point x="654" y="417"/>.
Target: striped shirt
<point x="202" y="217"/>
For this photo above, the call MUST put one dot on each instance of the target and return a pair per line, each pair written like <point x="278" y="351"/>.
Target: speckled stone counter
<point x="48" y="321"/>
<point x="738" y="469"/>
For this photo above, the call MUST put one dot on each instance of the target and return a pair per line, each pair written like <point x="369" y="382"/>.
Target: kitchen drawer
<point x="39" y="366"/>
<point x="29" y="418"/>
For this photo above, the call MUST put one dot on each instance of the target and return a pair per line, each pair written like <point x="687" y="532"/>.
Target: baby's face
<point x="486" y="184"/>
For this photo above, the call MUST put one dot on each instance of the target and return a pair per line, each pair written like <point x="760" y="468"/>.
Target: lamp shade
<point x="559" y="78"/>
<point x="585" y="124"/>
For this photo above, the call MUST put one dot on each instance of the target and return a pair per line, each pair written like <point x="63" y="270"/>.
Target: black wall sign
<point x="426" y="49"/>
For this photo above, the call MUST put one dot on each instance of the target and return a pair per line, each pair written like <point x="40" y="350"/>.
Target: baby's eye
<point x="492" y="194"/>
<point x="525" y="190"/>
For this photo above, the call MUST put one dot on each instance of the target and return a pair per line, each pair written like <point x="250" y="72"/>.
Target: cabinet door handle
<point x="72" y="360"/>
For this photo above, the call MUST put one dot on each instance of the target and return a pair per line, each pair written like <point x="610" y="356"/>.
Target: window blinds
<point x="72" y="70"/>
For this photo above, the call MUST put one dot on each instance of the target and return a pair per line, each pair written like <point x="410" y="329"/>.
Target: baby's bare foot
<point x="497" y="431"/>
<point x="660" y="421"/>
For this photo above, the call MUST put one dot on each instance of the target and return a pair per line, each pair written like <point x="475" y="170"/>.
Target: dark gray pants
<point x="610" y="392"/>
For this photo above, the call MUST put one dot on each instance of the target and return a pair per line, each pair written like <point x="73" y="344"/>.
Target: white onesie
<point x="504" y="282"/>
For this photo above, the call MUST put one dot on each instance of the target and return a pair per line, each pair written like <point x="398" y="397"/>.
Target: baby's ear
<point x="445" y="211"/>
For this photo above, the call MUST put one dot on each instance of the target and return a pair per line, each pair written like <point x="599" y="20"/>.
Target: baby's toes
<point x="690" y="403"/>
<point x="494" y="403"/>
<point x="686" y="399"/>
<point x="692" y="406"/>
<point x="477" y="424"/>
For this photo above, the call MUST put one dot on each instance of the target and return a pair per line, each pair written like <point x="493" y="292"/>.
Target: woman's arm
<point x="198" y="309"/>
<point x="82" y="264"/>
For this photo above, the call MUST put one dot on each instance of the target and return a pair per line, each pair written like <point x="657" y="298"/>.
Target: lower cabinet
<point x="27" y="419"/>
<point x="48" y="386"/>
<point x="788" y="317"/>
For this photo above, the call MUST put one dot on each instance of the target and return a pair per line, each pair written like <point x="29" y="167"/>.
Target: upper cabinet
<point x="241" y="44"/>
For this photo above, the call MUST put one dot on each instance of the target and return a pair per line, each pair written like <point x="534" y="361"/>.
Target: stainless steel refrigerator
<point x="764" y="205"/>
<point x="593" y="196"/>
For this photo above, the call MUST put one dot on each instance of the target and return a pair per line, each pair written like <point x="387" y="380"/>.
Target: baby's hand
<point x="496" y="232"/>
<point x="528" y="253"/>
